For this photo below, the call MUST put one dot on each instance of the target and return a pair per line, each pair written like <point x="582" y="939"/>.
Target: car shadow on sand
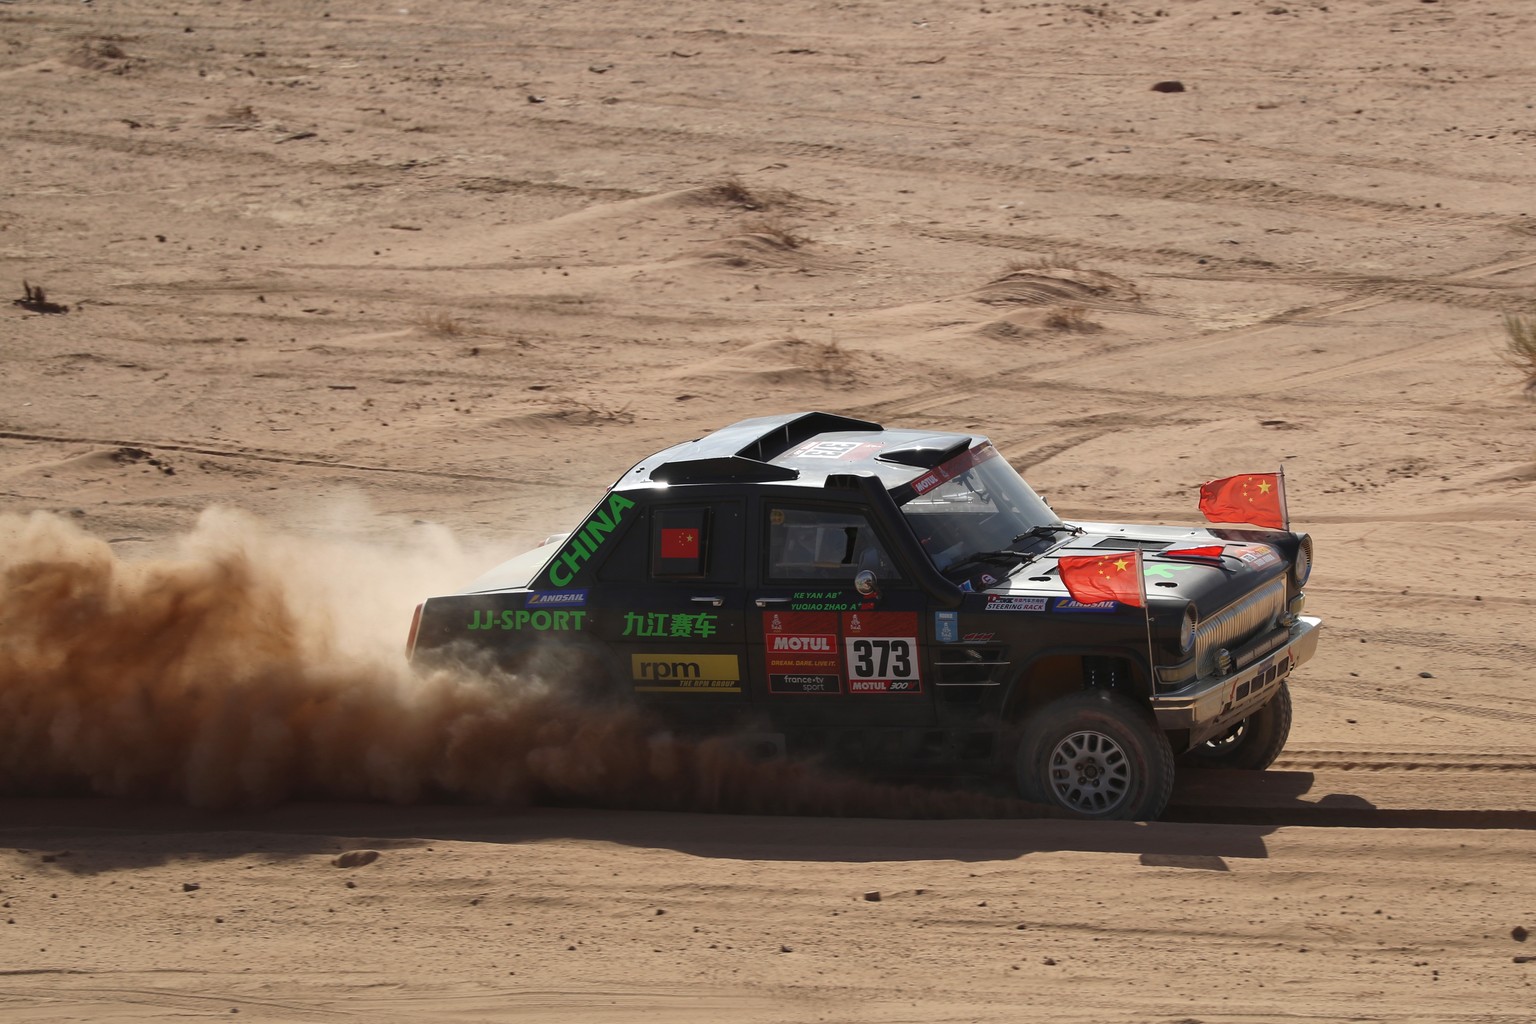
<point x="1215" y="816"/>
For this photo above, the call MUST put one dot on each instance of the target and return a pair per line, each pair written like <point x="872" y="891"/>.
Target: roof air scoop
<point x="927" y="453"/>
<point x="730" y="469"/>
<point x="782" y="434"/>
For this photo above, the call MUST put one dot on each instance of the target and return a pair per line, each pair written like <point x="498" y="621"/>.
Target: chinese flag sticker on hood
<point x="1251" y="498"/>
<point x="1094" y="578"/>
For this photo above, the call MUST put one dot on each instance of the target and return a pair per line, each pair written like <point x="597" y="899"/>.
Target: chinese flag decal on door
<point x="683" y="543"/>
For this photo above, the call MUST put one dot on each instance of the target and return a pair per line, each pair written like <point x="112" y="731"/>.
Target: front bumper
<point x="1208" y="707"/>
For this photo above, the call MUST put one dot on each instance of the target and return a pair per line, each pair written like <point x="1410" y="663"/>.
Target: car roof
<point x="803" y="449"/>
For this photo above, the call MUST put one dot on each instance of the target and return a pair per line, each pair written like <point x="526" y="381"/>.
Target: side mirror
<point x="866" y="583"/>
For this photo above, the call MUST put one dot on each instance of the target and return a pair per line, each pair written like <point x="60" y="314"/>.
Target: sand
<point x="408" y="286"/>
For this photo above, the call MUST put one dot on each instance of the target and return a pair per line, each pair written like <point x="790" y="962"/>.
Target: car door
<point x="822" y="653"/>
<point x="669" y="602"/>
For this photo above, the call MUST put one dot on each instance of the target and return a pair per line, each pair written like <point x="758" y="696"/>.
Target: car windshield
<point x="976" y="507"/>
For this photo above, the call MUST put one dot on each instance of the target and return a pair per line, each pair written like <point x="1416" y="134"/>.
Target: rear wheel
<point x="1252" y="744"/>
<point x="1097" y="754"/>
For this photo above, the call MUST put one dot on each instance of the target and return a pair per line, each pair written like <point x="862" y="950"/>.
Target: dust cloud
<point x="244" y="666"/>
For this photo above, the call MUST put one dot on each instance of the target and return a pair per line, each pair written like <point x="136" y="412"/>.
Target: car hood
<point x="1211" y="583"/>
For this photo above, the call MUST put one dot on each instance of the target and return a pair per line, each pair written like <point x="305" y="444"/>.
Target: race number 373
<point x="882" y="664"/>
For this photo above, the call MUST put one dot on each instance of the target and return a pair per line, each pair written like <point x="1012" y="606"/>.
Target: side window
<point x="625" y="560"/>
<point x="678" y="543"/>
<point x="817" y="544"/>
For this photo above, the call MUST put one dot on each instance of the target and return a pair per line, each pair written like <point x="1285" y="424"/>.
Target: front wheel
<point x="1252" y="744"/>
<point x="1096" y="754"/>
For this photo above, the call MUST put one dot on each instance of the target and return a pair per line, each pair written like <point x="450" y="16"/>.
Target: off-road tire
<point x="1252" y="744"/>
<point x="1096" y="754"/>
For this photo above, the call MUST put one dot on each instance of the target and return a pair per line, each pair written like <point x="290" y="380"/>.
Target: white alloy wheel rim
<point x="1090" y="772"/>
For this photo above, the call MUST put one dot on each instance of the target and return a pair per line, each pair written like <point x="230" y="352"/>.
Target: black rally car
<point x="890" y="600"/>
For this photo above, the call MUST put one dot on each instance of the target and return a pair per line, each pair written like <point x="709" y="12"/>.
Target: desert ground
<point x="351" y="300"/>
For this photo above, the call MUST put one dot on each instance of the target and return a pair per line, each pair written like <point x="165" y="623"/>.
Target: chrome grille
<point x="1237" y="622"/>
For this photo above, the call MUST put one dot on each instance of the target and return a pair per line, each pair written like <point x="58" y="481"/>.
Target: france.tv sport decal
<point x="801" y="652"/>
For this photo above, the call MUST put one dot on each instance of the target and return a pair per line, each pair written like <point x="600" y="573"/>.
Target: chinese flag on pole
<point x="1256" y="498"/>
<point x="1094" y="578"/>
<point x="683" y="543"/>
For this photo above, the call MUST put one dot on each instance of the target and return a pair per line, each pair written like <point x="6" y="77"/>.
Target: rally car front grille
<point x="1237" y="622"/>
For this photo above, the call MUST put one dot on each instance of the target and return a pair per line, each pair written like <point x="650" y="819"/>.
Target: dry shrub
<point x="1520" y="346"/>
<point x="102" y="54"/>
<point x="731" y="190"/>
<point x="776" y="232"/>
<point x="1070" y="318"/>
<point x="1049" y="261"/>
<point x="241" y="113"/>
<point x="824" y="358"/>
<point x="441" y="324"/>
<point x="576" y="410"/>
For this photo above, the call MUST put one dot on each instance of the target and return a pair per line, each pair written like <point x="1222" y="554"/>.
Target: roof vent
<point x="786" y="435"/>
<point x="721" y="471"/>
<point x="927" y="453"/>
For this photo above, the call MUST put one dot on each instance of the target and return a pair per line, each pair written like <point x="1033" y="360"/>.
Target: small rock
<point x="1049" y="961"/>
<point x="356" y="858"/>
<point x="1020" y="927"/>
<point x="190" y="887"/>
<point x="873" y="896"/>
<point x="1426" y="675"/>
<point x="1168" y="86"/>
<point x="1519" y="933"/>
<point x="1518" y="959"/>
<point x="786" y="949"/>
<point x="660" y="911"/>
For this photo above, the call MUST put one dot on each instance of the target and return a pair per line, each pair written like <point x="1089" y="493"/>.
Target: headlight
<point x="1187" y="630"/>
<point x="1301" y="568"/>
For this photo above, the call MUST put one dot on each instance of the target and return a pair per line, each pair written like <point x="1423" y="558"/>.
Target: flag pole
<point x="1146" y="615"/>
<point x="1285" y="507"/>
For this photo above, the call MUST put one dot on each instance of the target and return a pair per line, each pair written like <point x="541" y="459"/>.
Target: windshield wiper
<point x="989" y="556"/>
<point x="1045" y="531"/>
<point x="1024" y="557"/>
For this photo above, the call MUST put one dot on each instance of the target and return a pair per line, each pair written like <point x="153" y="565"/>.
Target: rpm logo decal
<point x="685" y="673"/>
